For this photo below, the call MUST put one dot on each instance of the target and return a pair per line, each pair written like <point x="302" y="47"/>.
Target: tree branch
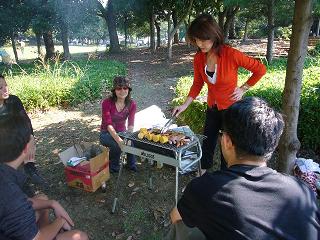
<point x="174" y="30"/>
<point x="103" y="11"/>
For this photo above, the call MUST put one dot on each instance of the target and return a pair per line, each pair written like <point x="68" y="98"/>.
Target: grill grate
<point x="134" y="137"/>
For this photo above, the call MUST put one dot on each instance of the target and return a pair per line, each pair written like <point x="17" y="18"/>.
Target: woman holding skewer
<point x="216" y="64"/>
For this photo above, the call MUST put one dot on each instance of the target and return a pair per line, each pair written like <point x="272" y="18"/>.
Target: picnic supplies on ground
<point x="92" y="171"/>
<point x="309" y="172"/>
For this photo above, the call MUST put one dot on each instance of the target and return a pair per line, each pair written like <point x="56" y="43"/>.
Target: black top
<point x="14" y="106"/>
<point x="17" y="217"/>
<point x="209" y="73"/>
<point x="247" y="202"/>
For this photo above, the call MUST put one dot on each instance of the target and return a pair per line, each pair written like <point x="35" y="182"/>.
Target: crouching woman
<point x="116" y="111"/>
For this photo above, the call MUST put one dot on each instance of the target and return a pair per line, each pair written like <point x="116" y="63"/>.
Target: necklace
<point x="120" y="106"/>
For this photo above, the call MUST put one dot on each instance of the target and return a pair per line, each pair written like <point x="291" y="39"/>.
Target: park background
<point x="66" y="53"/>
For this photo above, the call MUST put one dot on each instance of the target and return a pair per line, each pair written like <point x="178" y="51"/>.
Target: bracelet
<point x="245" y="88"/>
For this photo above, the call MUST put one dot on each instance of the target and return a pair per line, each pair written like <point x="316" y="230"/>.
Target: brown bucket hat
<point x="121" y="82"/>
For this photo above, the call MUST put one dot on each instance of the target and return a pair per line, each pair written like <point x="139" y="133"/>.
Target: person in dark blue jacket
<point x="12" y="105"/>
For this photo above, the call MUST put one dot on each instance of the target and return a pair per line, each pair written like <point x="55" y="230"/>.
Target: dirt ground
<point x="142" y="213"/>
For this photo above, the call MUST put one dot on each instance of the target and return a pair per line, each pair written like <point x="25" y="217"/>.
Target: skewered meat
<point x="169" y="136"/>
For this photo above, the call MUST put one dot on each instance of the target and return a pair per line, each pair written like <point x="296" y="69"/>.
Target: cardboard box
<point x="86" y="180"/>
<point x="88" y="175"/>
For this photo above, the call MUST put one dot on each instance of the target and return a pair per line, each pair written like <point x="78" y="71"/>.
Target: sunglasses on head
<point x="122" y="88"/>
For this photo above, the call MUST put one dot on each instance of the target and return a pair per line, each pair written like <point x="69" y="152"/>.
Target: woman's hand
<point x="130" y="129"/>
<point x="238" y="93"/>
<point x="179" y="109"/>
<point x="120" y="142"/>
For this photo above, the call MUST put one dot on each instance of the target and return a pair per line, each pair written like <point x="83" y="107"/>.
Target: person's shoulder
<point x="133" y="103"/>
<point x="293" y="186"/>
<point x="9" y="191"/>
<point x="198" y="56"/>
<point x="293" y="181"/>
<point x="13" y="98"/>
<point x="227" y="49"/>
<point x="207" y="179"/>
<point x="107" y="101"/>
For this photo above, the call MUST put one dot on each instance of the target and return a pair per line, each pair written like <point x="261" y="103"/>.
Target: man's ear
<point x="226" y="141"/>
<point x="27" y="148"/>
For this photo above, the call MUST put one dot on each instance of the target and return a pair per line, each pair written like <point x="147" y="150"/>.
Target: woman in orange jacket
<point x="216" y="64"/>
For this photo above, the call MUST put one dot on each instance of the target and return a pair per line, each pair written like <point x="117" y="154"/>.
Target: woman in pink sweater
<point x="116" y="110"/>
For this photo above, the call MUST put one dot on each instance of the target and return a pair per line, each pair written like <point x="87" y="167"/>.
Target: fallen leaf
<point x="136" y="189"/>
<point x="55" y="151"/>
<point x="119" y="236"/>
<point x="101" y="200"/>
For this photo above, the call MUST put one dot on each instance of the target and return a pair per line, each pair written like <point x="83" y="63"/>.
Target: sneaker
<point x="32" y="172"/>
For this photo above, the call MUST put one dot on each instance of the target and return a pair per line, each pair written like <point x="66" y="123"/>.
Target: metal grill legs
<point x="117" y="192"/>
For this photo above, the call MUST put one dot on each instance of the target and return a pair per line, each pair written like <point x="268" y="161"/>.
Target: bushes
<point x="269" y="88"/>
<point x="41" y="86"/>
<point x="315" y="51"/>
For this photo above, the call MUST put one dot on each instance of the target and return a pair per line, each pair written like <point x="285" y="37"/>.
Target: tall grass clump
<point x="43" y="85"/>
<point x="270" y="88"/>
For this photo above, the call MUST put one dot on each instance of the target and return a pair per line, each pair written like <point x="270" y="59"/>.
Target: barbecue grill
<point x="164" y="153"/>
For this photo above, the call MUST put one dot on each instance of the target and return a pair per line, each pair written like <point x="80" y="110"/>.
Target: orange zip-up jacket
<point x="229" y="61"/>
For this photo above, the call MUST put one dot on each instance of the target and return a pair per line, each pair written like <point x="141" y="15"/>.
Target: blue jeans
<point x="115" y="151"/>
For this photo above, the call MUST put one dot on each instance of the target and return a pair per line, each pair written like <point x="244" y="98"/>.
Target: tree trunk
<point x="221" y="16"/>
<point x="232" y="32"/>
<point x="318" y="28"/>
<point x="174" y="30"/>
<point x="38" y="38"/>
<point x="245" y="34"/>
<point x="230" y="14"/>
<point x="289" y="142"/>
<point x="108" y="15"/>
<point x="270" y="30"/>
<point x="125" y="23"/>
<point x="14" y="47"/>
<point x="64" y="38"/>
<point x="157" y="25"/>
<point x="175" y="22"/>
<point x="169" y="38"/>
<point x="48" y="43"/>
<point x="152" y="33"/>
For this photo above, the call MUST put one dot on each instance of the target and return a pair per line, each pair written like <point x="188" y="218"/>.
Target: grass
<point x="43" y="85"/>
<point x="270" y="88"/>
<point x="31" y="52"/>
<point x="137" y="215"/>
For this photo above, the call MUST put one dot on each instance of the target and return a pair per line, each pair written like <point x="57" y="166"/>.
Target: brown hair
<point x="204" y="27"/>
<point x="121" y="82"/>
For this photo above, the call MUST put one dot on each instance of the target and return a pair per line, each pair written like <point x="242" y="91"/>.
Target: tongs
<point x="168" y="124"/>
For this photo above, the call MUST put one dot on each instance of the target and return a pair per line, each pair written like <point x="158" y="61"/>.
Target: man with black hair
<point x="12" y="105"/>
<point x="247" y="200"/>
<point x="22" y="217"/>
